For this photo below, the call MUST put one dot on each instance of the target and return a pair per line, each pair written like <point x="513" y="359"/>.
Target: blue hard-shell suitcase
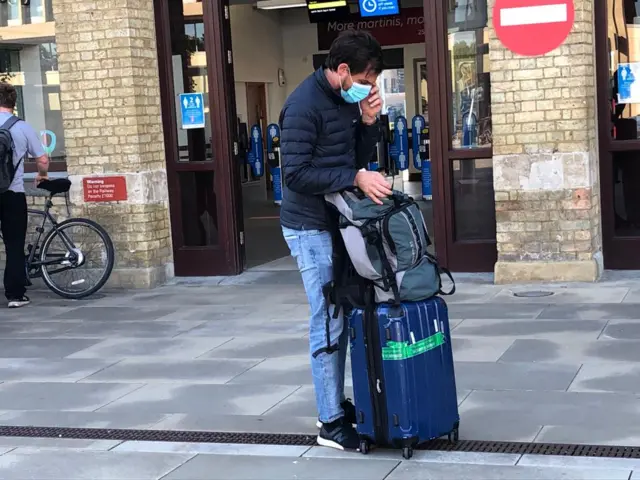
<point x="403" y="377"/>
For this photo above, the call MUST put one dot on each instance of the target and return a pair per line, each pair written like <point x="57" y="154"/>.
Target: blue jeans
<point x="313" y="251"/>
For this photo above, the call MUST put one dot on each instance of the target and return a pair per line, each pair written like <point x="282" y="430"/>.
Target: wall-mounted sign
<point x="418" y="123"/>
<point x="533" y="27"/>
<point x="273" y="158"/>
<point x="105" y="189"/>
<point x="379" y="8"/>
<point x="192" y="110"/>
<point x="628" y="82"/>
<point x="427" y="185"/>
<point x="399" y="150"/>
<point x="403" y="29"/>
<point x="255" y="157"/>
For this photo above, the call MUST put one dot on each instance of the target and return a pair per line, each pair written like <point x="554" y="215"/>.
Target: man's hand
<point x="374" y="185"/>
<point x="42" y="162"/>
<point x="40" y="178"/>
<point x="371" y="106"/>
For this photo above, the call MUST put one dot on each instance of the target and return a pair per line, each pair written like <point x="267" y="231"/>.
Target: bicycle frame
<point x="31" y="262"/>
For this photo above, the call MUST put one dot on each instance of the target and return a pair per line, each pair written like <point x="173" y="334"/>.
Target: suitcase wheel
<point x="364" y="447"/>
<point x="454" y="435"/>
<point x="407" y="453"/>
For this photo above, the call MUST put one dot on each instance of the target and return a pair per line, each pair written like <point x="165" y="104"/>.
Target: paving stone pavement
<point x="232" y="355"/>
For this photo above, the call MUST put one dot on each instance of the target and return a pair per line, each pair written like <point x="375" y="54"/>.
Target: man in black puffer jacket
<point x="329" y="134"/>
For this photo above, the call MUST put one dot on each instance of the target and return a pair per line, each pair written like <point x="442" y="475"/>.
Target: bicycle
<point x="73" y="254"/>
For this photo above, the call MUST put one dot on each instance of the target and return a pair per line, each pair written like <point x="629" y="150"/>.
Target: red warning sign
<point x="533" y="27"/>
<point x="105" y="189"/>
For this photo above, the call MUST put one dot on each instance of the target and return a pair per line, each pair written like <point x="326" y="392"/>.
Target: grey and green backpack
<point x="387" y="245"/>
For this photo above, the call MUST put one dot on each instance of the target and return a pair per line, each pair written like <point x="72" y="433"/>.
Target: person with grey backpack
<point x="17" y="140"/>
<point x="329" y="132"/>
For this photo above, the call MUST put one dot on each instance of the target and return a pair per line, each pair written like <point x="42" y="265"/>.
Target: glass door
<point x="460" y="107"/>
<point x="618" y="82"/>
<point x="198" y="139"/>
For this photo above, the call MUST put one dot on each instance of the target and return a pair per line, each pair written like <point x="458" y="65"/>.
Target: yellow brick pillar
<point x="110" y="104"/>
<point x="546" y="159"/>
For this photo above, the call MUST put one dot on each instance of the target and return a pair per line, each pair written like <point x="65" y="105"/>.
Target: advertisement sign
<point x="517" y="22"/>
<point x="192" y="110"/>
<point x="379" y="8"/>
<point x="273" y="158"/>
<point x="255" y="156"/>
<point x="403" y="29"/>
<point x="418" y="124"/>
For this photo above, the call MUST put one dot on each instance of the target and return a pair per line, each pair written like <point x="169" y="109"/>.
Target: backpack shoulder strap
<point x="445" y="271"/>
<point x="374" y="238"/>
<point x="453" y="283"/>
<point x="11" y="121"/>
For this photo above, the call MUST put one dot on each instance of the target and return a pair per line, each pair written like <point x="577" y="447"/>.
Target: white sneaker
<point x="19" y="302"/>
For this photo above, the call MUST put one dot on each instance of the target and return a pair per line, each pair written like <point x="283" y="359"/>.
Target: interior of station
<point x="275" y="47"/>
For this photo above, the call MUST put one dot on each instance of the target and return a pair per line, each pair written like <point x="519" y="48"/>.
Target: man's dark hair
<point x="358" y="49"/>
<point x="8" y="95"/>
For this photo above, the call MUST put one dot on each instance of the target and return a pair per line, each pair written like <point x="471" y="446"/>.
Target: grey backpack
<point x="387" y="244"/>
<point x="7" y="169"/>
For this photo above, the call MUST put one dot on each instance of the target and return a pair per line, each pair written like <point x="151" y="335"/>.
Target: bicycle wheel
<point x="82" y="269"/>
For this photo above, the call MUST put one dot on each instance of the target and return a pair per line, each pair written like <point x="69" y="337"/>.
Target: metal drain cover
<point x="181" y="436"/>
<point x="532" y="294"/>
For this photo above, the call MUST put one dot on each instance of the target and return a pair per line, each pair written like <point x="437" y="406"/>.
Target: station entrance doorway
<point x="243" y="58"/>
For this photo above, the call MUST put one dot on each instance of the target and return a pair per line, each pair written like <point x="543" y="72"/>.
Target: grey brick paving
<point x="79" y="419"/>
<point x="234" y="357"/>
<point x="205" y="467"/>
<point x="417" y="471"/>
<point x="174" y="371"/>
<point x="61" y="396"/>
<point x="75" y="465"/>
<point x="200" y="399"/>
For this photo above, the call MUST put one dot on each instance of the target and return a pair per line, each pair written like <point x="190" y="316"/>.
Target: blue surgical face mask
<point x="356" y="93"/>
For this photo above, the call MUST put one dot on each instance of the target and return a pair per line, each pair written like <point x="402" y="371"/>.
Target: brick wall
<point x="110" y="102"/>
<point x="545" y="159"/>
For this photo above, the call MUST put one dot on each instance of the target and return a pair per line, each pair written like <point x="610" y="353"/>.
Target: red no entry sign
<point x="533" y="27"/>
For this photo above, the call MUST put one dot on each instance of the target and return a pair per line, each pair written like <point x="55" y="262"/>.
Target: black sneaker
<point x="349" y="413"/>
<point x="339" y="435"/>
<point x="19" y="302"/>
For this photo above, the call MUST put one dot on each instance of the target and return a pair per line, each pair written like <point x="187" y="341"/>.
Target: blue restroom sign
<point x="273" y="159"/>
<point x="378" y="8"/>
<point x="401" y="139"/>
<point x="418" y="124"/>
<point x="427" y="185"/>
<point x="256" y="155"/>
<point x="192" y="110"/>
